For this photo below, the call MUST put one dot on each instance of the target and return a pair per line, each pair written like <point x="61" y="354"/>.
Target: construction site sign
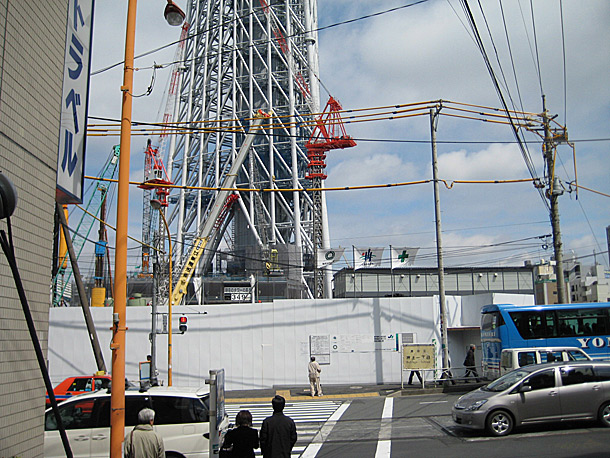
<point x="418" y="356"/>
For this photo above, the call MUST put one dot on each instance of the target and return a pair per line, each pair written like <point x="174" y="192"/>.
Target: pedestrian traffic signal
<point x="183" y="324"/>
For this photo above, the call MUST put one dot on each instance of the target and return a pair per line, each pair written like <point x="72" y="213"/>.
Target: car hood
<point x="472" y="397"/>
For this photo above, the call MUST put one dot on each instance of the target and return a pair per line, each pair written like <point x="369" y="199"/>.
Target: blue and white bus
<point x="586" y="326"/>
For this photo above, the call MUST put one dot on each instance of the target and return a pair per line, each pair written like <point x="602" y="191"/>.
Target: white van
<point x="514" y="358"/>
<point x="181" y="419"/>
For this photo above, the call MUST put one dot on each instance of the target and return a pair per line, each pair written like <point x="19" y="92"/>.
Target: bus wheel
<point x="499" y="423"/>
<point x="604" y="414"/>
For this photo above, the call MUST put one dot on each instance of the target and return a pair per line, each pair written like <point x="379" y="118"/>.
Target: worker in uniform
<point x="314" y="370"/>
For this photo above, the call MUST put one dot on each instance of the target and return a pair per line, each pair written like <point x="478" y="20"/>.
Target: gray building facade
<point x="32" y="44"/>
<point x="423" y="281"/>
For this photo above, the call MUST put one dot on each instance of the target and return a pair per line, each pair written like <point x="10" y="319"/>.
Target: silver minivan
<point x="576" y="390"/>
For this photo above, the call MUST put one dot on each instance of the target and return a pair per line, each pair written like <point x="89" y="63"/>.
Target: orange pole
<point x="169" y="303"/>
<point x="119" y="327"/>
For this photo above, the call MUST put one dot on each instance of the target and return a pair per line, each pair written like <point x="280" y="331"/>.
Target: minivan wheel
<point x="499" y="423"/>
<point x="604" y="414"/>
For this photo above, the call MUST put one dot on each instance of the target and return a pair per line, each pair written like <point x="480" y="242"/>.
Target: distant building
<point x="423" y="281"/>
<point x="591" y="286"/>
<point x="545" y="282"/>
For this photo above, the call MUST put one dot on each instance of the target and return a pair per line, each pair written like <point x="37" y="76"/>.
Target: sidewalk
<point x="301" y="392"/>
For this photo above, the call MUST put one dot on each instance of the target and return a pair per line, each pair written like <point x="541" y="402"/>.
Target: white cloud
<point x="497" y="162"/>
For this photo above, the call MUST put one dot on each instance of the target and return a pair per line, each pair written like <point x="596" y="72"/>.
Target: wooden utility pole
<point x="554" y="190"/>
<point x="434" y="112"/>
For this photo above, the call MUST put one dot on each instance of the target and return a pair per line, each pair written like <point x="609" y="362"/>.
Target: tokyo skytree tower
<point x="243" y="56"/>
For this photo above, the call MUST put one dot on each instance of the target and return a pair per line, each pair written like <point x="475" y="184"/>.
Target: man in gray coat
<point x="278" y="432"/>
<point x="142" y="441"/>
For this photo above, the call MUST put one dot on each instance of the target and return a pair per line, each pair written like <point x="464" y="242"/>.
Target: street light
<point x="119" y="325"/>
<point x="173" y="14"/>
<point x="157" y="205"/>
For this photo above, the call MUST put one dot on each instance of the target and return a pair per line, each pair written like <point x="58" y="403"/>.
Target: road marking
<point x="312" y="450"/>
<point x="316" y="444"/>
<point x="388" y="407"/>
<point x="433" y="402"/>
<point x="384" y="449"/>
<point x="384" y="446"/>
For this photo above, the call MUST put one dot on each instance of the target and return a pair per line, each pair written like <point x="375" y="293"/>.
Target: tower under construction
<point x="242" y="56"/>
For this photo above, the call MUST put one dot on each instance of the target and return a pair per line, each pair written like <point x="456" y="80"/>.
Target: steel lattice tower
<point x="242" y="56"/>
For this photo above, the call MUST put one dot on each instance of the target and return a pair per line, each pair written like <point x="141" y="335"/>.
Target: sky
<point x="418" y="53"/>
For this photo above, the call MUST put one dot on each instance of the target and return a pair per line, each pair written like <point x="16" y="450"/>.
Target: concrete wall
<point x="32" y="43"/>
<point x="259" y="345"/>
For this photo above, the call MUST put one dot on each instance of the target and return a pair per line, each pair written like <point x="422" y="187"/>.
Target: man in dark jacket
<point x="278" y="433"/>
<point x="470" y="364"/>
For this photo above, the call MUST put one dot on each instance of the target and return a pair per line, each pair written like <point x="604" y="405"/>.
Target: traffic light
<point x="183" y="324"/>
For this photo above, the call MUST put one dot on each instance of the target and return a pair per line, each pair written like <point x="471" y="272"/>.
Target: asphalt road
<point x="421" y="426"/>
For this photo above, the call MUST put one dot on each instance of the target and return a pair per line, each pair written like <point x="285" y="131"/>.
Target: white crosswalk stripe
<point x="299" y="411"/>
<point x="308" y="415"/>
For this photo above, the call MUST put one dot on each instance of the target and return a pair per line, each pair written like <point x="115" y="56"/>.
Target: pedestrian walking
<point x="241" y="441"/>
<point x="470" y="363"/>
<point x="418" y="376"/>
<point x="314" y="370"/>
<point x="143" y="441"/>
<point x="278" y="433"/>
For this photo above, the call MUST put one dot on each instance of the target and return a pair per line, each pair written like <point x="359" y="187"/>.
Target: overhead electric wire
<point x="261" y="42"/>
<point x="563" y="53"/>
<point x="510" y="53"/>
<point x="536" y="47"/>
<point x="522" y="146"/>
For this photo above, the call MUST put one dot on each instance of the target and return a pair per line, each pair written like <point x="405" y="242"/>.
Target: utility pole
<point x="434" y="112"/>
<point x="554" y="190"/>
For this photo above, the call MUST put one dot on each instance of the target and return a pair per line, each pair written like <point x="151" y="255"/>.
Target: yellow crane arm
<point x="189" y="268"/>
<point x="209" y="224"/>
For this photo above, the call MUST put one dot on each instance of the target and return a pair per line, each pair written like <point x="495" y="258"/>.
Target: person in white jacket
<point x="314" y="377"/>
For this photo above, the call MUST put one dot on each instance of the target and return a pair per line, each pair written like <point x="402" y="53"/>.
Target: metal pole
<point x="169" y="302"/>
<point x="117" y="399"/>
<point x="153" y="327"/>
<point x="554" y="191"/>
<point x="439" y="244"/>
<point x="91" y="331"/>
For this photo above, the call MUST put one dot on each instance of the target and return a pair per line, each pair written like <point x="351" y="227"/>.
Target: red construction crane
<point x="155" y="180"/>
<point x="328" y="134"/>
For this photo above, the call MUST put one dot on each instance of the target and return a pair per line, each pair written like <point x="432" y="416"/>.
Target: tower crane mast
<point x="328" y="134"/>
<point x="153" y="162"/>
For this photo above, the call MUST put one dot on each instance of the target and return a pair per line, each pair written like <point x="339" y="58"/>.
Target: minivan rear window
<point x="602" y="373"/>
<point x="576" y="375"/>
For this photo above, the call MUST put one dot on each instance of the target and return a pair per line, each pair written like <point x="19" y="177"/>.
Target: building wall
<point x="32" y="43"/>
<point x="422" y="281"/>
<point x="262" y="344"/>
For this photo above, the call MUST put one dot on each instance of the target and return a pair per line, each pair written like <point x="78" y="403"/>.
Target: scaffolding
<point x="242" y="56"/>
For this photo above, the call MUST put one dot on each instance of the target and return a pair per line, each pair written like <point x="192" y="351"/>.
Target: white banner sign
<point x="367" y="257"/>
<point x="74" y="103"/>
<point x="362" y="343"/>
<point x="402" y="256"/>
<point x="327" y="257"/>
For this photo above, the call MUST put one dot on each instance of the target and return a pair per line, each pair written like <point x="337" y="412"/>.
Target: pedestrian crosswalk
<point x="299" y="411"/>
<point x="309" y="417"/>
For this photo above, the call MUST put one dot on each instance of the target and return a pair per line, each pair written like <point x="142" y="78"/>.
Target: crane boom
<point x="210" y="224"/>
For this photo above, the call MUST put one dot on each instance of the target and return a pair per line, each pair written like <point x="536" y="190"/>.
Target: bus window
<point x="490" y="321"/>
<point x="581" y="322"/>
<point x="530" y="325"/>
